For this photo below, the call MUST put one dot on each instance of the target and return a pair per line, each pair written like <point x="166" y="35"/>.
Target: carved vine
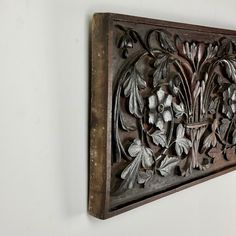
<point x="183" y="115"/>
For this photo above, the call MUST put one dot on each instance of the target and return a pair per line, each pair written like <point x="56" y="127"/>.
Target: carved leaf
<point x="190" y="50"/>
<point x="161" y="65"/>
<point x="234" y="137"/>
<point x="144" y="156"/>
<point x="178" y="43"/>
<point x="230" y="66"/>
<point x="215" y="153"/>
<point x="229" y="153"/>
<point x="233" y="43"/>
<point x="213" y="105"/>
<point x="136" y="149"/>
<point x="129" y="174"/>
<point x="197" y="90"/>
<point x="182" y="144"/>
<point x="133" y="35"/>
<point x="224" y="126"/>
<point x="132" y="85"/>
<point x="211" y="51"/>
<point x="147" y="157"/>
<point x="166" y="42"/>
<point x="200" y="52"/>
<point x="215" y="125"/>
<point x="167" y="165"/>
<point x="224" y="47"/>
<point x="178" y="109"/>
<point x="159" y="137"/>
<point x="144" y="176"/>
<point x="125" y="41"/>
<point x="229" y="106"/>
<point x="210" y="140"/>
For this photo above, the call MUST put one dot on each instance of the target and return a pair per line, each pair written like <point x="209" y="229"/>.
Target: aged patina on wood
<point x="163" y="109"/>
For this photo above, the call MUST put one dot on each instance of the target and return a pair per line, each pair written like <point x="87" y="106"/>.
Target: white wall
<point x="43" y="125"/>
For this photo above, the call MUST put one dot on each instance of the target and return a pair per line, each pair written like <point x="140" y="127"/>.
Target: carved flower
<point x="229" y="107"/>
<point x="159" y="108"/>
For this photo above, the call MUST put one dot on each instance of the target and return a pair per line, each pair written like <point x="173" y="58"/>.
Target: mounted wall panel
<point x="163" y="109"/>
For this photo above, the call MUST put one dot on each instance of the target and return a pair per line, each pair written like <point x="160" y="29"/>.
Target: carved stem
<point x="117" y="140"/>
<point x="230" y="126"/>
<point x="171" y="127"/>
<point x="185" y="84"/>
<point x="143" y="44"/>
<point x="208" y="85"/>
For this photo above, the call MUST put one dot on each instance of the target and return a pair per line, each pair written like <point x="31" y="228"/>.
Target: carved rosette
<point x="174" y="106"/>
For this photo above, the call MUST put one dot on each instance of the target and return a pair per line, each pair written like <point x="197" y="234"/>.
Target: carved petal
<point x="168" y="101"/>
<point x="160" y="95"/>
<point x="152" y="117"/>
<point x="167" y="116"/>
<point x="152" y="102"/>
<point x="160" y="124"/>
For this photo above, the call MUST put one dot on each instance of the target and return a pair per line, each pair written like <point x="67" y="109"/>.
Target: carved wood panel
<point x="163" y="109"/>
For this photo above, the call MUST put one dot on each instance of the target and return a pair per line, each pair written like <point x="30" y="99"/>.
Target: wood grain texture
<point x="98" y="120"/>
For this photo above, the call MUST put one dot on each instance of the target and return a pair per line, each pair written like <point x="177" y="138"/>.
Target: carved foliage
<point x="183" y="116"/>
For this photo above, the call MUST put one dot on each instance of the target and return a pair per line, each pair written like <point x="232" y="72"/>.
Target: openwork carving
<point x="163" y="109"/>
<point x="179" y="104"/>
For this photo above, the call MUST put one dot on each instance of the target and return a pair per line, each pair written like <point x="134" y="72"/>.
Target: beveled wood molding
<point x="163" y="109"/>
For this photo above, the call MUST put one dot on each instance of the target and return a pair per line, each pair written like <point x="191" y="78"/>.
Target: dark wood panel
<point x="163" y="104"/>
